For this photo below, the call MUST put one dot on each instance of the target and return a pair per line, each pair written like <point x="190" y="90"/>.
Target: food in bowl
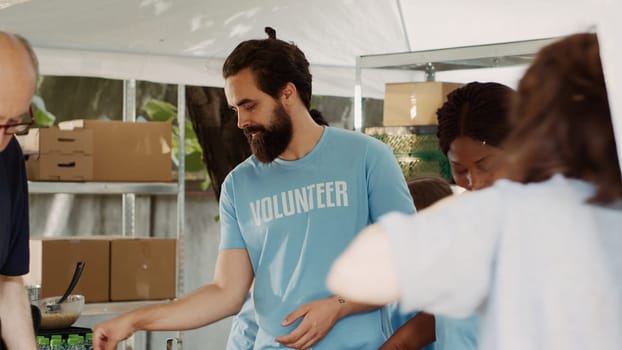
<point x="63" y="316"/>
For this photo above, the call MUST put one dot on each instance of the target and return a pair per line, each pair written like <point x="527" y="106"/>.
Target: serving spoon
<point x="55" y="307"/>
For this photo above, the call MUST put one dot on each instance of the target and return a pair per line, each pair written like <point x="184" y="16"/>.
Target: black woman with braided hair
<point x="472" y="125"/>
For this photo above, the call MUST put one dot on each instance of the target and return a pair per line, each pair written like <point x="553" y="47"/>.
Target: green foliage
<point x="43" y="118"/>
<point x="158" y="110"/>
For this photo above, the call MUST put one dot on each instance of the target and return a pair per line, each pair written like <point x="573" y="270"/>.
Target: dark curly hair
<point x="427" y="190"/>
<point x="563" y="122"/>
<point x="274" y="63"/>
<point x="477" y="110"/>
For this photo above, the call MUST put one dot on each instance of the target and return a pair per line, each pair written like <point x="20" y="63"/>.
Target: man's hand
<point x="108" y="334"/>
<point x="319" y="317"/>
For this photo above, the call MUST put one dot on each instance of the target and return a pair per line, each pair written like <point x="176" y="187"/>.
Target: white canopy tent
<point x="186" y="41"/>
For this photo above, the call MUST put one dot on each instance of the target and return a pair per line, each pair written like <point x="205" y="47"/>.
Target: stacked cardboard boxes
<point x="410" y="125"/>
<point x="98" y="150"/>
<point x="59" y="155"/>
<point x="414" y="103"/>
<point x="116" y="268"/>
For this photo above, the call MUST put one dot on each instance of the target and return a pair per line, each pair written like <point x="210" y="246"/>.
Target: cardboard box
<point x="53" y="261"/>
<point x="58" y="155"/>
<point x="54" y="140"/>
<point x="128" y="152"/>
<point x="142" y="269"/>
<point x="414" y="103"/>
<point x="60" y="167"/>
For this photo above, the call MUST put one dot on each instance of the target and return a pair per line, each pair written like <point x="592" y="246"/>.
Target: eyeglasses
<point x="19" y="128"/>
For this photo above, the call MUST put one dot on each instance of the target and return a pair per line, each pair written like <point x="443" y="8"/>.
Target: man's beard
<point x="272" y="140"/>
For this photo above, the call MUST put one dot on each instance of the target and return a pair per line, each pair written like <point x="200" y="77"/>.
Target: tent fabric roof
<point x="186" y="41"/>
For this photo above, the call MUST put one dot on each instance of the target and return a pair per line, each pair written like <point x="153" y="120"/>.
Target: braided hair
<point x="477" y="110"/>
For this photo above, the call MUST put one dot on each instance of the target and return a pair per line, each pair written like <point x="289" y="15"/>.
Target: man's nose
<point x="243" y="120"/>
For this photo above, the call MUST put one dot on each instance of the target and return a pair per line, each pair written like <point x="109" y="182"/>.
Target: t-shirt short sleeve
<point x="387" y="189"/>
<point x="230" y="234"/>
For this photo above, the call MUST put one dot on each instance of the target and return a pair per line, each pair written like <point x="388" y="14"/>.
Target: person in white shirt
<point x="536" y="255"/>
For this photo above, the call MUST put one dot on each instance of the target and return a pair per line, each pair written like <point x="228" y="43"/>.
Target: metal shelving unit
<point x="128" y="192"/>
<point x="497" y="55"/>
<point x="112" y="188"/>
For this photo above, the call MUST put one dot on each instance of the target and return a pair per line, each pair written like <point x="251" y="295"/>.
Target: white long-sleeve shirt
<point x="541" y="266"/>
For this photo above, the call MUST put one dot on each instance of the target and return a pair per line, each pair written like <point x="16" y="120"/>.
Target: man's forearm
<point x="204" y="306"/>
<point x="418" y="332"/>
<point x="15" y="317"/>
<point x="217" y="300"/>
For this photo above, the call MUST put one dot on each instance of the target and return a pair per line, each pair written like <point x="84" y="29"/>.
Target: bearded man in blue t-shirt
<point x="18" y="78"/>
<point x="286" y="213"/>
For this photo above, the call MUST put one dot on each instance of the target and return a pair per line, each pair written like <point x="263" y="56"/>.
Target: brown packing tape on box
<point x="127" y="151"/>
<point x="53" y="261"/>
<point x="142" y="269"/>
<point x="414" y="103"/>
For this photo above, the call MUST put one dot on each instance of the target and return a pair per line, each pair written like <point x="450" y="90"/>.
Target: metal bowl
<point x="67" y="313"/>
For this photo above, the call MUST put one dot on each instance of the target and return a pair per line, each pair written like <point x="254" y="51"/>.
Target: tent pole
<point x="403" y="22"/>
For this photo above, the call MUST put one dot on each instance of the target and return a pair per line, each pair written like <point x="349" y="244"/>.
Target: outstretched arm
<point x="221" y="298"/>
<point x="416" y="333"/>
<point x="365" y="272"/>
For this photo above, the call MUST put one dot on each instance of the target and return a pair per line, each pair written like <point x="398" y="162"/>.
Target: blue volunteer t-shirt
<point x="14" y="229"/>
<point x="295" y="217"/>
<point x="243" y="328"/>
<point x="457" y="333"/>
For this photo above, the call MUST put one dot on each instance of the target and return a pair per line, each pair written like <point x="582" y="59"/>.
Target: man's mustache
<point x="248" y="131"/>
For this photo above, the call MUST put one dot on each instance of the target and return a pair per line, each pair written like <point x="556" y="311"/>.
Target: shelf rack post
<point x="128" y="203"/>
<point x="181" y="195"/>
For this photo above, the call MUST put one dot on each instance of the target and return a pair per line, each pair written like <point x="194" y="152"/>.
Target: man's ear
<point x="288" y="93"/>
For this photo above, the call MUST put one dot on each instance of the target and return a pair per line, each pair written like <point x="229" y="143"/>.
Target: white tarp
<point x="186" y="41"/>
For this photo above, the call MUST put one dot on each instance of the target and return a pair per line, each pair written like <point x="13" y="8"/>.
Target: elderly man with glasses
<point x="18" y="79"/>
